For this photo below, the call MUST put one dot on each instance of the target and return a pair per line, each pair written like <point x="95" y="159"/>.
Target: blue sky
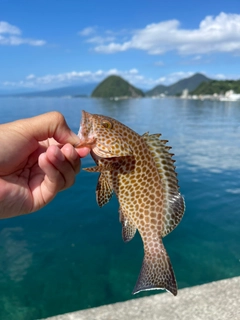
<point x="56" y="43"/>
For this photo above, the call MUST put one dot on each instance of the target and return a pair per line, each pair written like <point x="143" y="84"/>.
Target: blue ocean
<point x="70" y="255"/>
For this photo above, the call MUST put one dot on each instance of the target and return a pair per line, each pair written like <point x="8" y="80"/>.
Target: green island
<point x="116" y="87"/>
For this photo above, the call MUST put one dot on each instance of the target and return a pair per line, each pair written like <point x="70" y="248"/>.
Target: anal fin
<point x="128" y="228"/>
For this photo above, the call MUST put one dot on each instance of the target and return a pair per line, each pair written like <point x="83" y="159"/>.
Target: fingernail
<point x="75" y="155"/>
<point x="76" y="139"/>
<point x="59" y="155"/>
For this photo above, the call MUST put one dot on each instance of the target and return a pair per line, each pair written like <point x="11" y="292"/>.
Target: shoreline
<point x="215" y="300"/>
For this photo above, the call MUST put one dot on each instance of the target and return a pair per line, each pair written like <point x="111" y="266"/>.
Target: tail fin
<point x="156" y="272"/>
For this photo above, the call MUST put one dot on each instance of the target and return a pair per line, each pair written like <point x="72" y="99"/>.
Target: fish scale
<point x="141" y="172"/>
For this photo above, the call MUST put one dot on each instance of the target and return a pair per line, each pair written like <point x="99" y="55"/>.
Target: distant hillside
<point x="157" y="90"/>
<point x="190" y="83"/>
<point x="11" y="92"/>
<point x="217" y="86"/>
<point x="81" y="90"/>
<point x="115" y="86"/>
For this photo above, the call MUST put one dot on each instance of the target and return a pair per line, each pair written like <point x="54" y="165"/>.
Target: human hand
<point x="37" y="160"/>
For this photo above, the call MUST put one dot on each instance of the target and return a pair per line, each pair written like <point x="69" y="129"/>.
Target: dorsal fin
<point x="174" y="208"/>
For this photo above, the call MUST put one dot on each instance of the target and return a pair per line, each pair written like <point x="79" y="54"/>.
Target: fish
<point x="140" y="170"/>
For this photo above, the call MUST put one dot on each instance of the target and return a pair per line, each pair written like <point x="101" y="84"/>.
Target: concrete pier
<point x="218" y="300"/>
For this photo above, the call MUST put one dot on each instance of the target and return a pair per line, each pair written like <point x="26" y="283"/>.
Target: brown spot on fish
<point x="141" y="172"/>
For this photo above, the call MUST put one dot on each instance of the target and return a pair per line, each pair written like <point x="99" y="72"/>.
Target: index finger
<point x="82" y="152"/>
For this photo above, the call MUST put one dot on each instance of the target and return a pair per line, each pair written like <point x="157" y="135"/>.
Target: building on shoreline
<point x="227" y="96"/>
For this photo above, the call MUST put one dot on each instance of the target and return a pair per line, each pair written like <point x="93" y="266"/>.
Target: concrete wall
<point x="214" y="301"/>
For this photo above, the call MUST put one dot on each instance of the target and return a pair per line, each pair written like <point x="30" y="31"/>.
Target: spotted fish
<point x="141" y="172"/>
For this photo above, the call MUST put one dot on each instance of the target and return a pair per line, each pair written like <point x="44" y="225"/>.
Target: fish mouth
<point x="84" y="133"/>
<point x="83" y="125"/>
<point x="89" y="143"/>
<point x="85" y="117"/>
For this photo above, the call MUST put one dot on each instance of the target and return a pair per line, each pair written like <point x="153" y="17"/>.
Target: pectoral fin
<point x="104" y="189"/>
<point x="128" y="228"/>
<point x="121" y="164"/>
<point x="103" y="168"/>
<point x="94" y="169"/>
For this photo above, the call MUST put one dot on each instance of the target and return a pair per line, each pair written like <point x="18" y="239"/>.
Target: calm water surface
<point x="70" y="255"/>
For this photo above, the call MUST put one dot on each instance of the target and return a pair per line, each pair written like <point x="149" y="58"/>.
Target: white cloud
<point x="87" y="31"/>
<point x="100" y="40"/>
<point x="173" y="77"/>
<point x="220" y="76"/>
<point x="73" y="77"/>
<point x="96" y="39"/>
<point x="133" y="71"/>
<point x="80" y="77"/>
<point x="215" y="34"/>
<point x="113" y="47"/>
<point x="16" y="41"/>
<point x="99" y="37"/>
<point x="11" y="36"/>
<point x="30" y="76"/>
<point x="5" y="27"/>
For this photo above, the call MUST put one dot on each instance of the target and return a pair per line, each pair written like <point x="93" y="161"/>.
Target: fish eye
<point x="107" y="124"/>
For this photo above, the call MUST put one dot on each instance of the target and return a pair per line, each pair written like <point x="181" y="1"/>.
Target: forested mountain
<point x="190" y="83"/>
<point x="115" y="86"/>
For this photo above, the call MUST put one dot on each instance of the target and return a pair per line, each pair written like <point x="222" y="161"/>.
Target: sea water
<point x="70" y="255"/>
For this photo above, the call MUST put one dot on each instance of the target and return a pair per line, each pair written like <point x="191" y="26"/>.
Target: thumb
<point x="50" y="125"/>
